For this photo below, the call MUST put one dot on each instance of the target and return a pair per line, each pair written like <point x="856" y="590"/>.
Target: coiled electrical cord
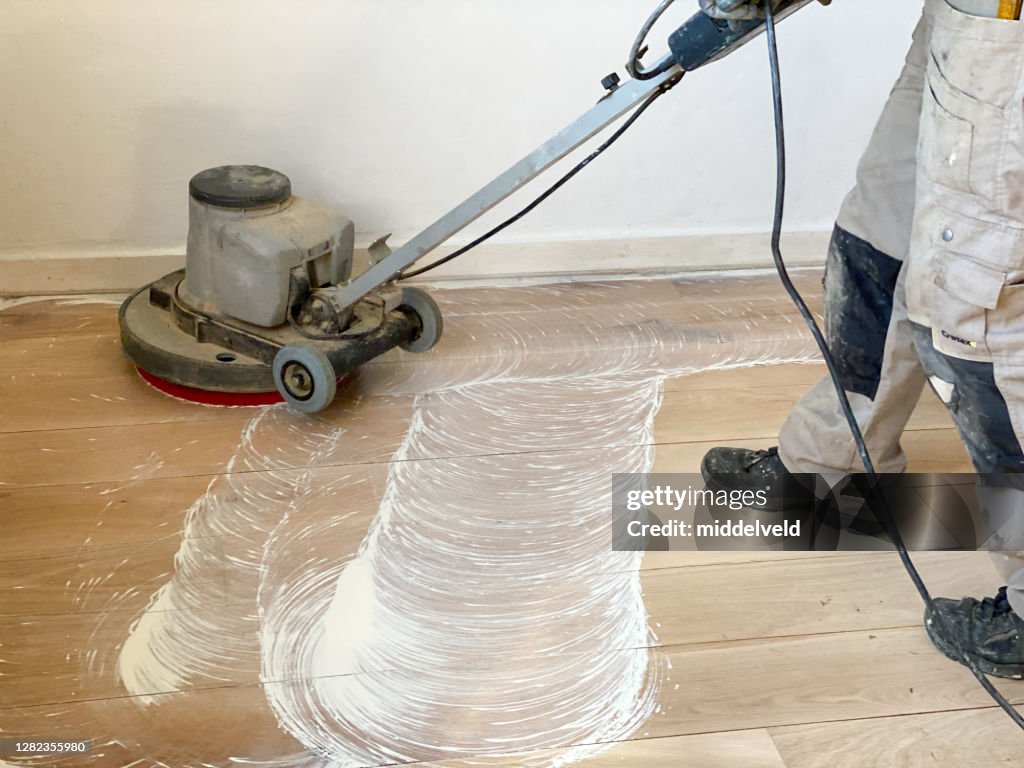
<point x="844" y="401"/>
<point x="633" y="65"/>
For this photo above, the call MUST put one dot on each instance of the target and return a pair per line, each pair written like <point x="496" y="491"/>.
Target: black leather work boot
<point x="987" y="631"/>
<point x="743" y="469"/>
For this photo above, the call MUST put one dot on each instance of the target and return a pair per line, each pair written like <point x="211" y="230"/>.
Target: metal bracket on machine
<point x="379" y="249"/>
<point x="371" y="310"/>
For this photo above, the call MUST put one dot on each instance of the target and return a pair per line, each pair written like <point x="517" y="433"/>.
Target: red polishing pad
<point x="207" y="397"/>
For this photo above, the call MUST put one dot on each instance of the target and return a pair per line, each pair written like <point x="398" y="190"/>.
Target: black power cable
<point x="668" y="85"/>
<point x="844" y="400"/>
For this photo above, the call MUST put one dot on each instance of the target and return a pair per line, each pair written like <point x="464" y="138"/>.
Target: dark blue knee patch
<point x="860" y="282"/>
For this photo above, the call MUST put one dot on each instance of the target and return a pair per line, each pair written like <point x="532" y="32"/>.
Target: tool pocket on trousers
<point x="961" y="139"/>
<point x="966" y="291"/>
<point x="977" y="55"/>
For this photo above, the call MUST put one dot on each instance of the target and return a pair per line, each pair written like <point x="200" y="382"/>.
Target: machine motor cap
<point x="240" y="186"/>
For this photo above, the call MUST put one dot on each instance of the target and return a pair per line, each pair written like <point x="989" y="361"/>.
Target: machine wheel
<point x="305" y="377"/>
<point x="429" y="314"/>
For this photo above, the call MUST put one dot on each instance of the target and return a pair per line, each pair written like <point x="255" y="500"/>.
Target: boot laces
<point x="996" y="606"/>
<point x="760" y="456"/>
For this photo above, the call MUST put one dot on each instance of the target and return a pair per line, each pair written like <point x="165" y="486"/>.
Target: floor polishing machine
<point x="267" y="307"/>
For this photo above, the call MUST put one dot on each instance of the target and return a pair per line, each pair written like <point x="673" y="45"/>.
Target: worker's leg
<point x="868" y="334"/>
<point x="986" y="401"/>
<point x="965" y="292"/>
<point x="866" y="329"/>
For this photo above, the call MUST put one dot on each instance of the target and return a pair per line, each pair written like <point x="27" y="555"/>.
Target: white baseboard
<point x="62" y="271"/>
<point x="67" y="271"/>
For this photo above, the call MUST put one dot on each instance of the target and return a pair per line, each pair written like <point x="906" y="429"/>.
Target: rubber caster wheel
<point x="431" y="321"/>
<point x="305" y="377"/>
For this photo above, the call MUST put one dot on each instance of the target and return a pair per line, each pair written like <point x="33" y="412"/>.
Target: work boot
<point x="987" y="631"/>
<point x="742" y="469"/>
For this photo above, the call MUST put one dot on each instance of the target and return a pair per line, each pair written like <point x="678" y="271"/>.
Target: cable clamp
<point x="671" y="83"/>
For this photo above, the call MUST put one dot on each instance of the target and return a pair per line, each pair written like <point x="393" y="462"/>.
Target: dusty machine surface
<point x="254" y="317"/>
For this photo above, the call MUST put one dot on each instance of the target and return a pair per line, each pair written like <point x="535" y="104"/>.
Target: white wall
<point x="395" y="110"/>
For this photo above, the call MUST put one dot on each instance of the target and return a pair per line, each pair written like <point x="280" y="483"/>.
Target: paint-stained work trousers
<point x="925" y="274"/>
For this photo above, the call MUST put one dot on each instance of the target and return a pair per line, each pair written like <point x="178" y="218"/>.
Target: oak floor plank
<point x="70" y="400"/>
<point x="61" y="658"/>
<point x="177" y="736"/>
<point x="42" y="519"/>
<point x="204" y="727"/>
<point x="961" y="739"/>
<point x="59" y="317"/>
<point x="711" y="414"/>
<point x="931" y="450"/>
<point x="687" y="607"/>
<point x="722" y="688"/>
<point x="764" y="287"/>
<point x="936" y="450"/>
<point x="76" y="518"/>
<point x="735" y="749"/>
<point x="44" y="457"/>
<point x="812" y="679"/>
<point x="97" y="455"/>
<point x="49" y="517"/>
<point x="92" y="580"/>
<point x="805" y="596"/>
<point x="800" y="376"/>
<point x="655" y="561"/>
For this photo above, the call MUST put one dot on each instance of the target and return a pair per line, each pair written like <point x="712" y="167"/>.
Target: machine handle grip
<point x="703" y="39"/>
